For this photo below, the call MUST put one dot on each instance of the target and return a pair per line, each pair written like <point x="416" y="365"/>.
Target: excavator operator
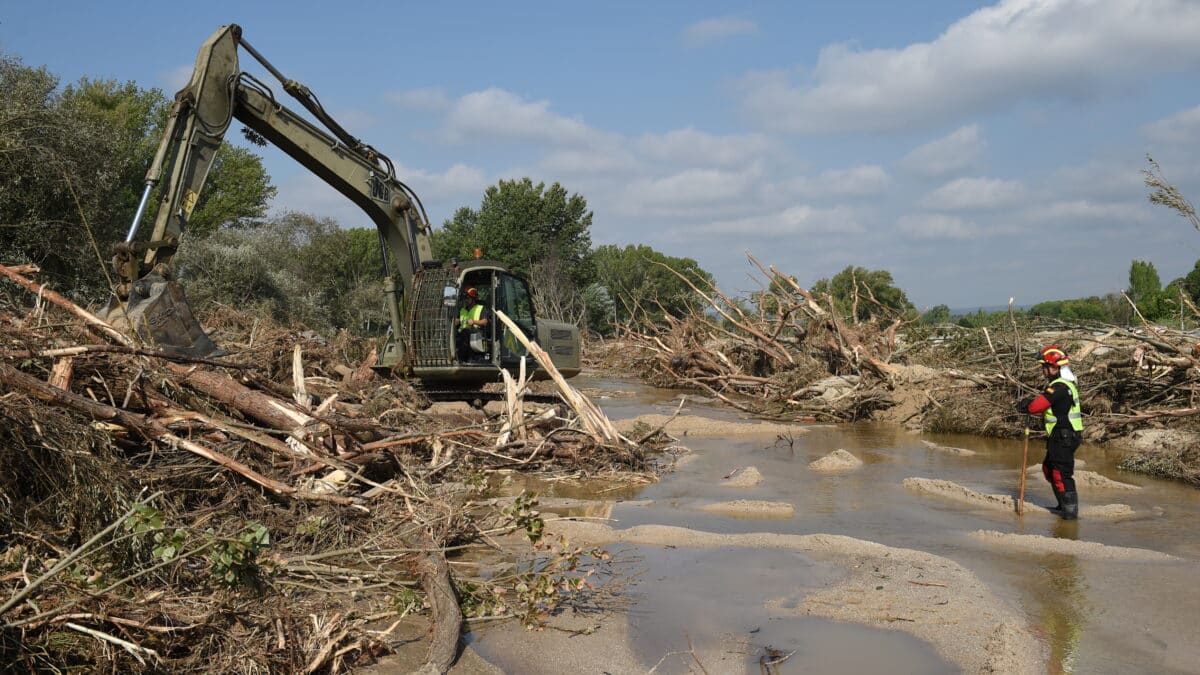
<point x="473" y="318"/>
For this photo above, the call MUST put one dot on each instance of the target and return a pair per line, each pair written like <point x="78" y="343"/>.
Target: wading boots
<point x="1070" y="505"/>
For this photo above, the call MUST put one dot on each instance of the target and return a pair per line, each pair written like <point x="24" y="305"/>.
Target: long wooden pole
<point x="1024" y="464"/>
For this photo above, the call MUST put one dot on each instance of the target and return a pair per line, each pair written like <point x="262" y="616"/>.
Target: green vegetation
<point x="72" y="164"/>
<point x="864" y="295"/>
<point x="642" y="286"/>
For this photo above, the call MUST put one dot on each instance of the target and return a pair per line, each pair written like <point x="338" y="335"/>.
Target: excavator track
<point x="478" y="399"/>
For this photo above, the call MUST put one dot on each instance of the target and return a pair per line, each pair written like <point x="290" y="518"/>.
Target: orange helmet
<point x="1054" y="356"/>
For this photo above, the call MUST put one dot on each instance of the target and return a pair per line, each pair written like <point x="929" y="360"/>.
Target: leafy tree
<point x="642" y="286"/>
<point x="297" y="267"/>
<point x="938" y="314"/>
<point x="236" y="194"/>
<point x="982" y="319"/>
<point x="72" y="165"/>
<point x="66" y="162"/>
<point x="535" y="231"/>
<point x="864" y="294"/>
<point x="1190" y="282"/>
<point x="1144" y="283"/>
<point x="1081" y="309"/>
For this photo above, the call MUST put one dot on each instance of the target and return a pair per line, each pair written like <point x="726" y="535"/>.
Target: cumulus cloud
<point x="1015" y="50"/>
<point x="698" y="147"/>
<point x="975" y="193"/>
<point x="499" y="115"/>
<point x="856" y="182"/>
<point x="309" y="193"/>
<point x="938" y="226"/>
<point x="1178" y="129"/>
<point x="1090" y="212"/>
<point x="589" y="162"/>
<point x="692" y="191"/>
<point x="948" y="154"/>
<point x="458" y="181"/>
<point x="430" y="99"/>
<point x="794" y="220"/>
<point x="709" y="31"/>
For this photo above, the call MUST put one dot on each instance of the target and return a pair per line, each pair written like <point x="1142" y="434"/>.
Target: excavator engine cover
<point x="158" y="311"/>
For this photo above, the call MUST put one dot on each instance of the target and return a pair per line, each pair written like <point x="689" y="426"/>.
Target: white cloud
<point x="698" y="147"/>
<point x="855" y="182"/>
<point x="429" y="99"/>
<point x="938" y="226"/>
<point x="997" y="56"/>
<point x="499" y="115"/>
<point x="1180" y="128"/>
<point x="975" y="193"/>
<point x="792" y="221"/>
<point x="709" y="31"/>
<point x="691" y="191"/>
<point x="458" y="181"/>
<point x="589" y="162"/>
<point x="1091" y="212"/>
<point x="954" y="152"/>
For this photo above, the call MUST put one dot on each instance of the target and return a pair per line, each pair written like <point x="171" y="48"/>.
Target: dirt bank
<point x="703" y="427"/>
<point x="930" y="597"/>
<point x="1080" y="549"/>
<point x="959" y="493"/>
<point x="1088" y="480"/>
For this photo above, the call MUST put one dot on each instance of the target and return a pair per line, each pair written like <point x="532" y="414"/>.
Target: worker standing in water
<point x="1058" y="404"/>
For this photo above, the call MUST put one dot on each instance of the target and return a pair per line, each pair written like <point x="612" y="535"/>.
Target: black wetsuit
<point x="1059" y="465"/>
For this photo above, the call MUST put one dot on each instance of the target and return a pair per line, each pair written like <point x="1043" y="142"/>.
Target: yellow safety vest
<point x="1076" y="414"/>
<point x="465" y="315"/>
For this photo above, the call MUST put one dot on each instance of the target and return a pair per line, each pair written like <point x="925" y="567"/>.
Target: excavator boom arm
<point x="218" y="93"/>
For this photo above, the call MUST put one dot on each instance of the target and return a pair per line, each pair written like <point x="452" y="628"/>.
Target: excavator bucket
<point x="158" y="311"/>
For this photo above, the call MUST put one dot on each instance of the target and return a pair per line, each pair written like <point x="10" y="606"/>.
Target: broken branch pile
<point x="261" y="512"/>
<point x="788" y="354"/>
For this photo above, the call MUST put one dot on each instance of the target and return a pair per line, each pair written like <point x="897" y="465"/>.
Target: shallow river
<point x="1094" y="616"/>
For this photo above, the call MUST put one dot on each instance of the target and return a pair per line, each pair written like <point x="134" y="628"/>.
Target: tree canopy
<point x="72" y="166"/>
<point x="864" y="294"/>
<point x="522" y="224"/>
<point x="642" y="287"/>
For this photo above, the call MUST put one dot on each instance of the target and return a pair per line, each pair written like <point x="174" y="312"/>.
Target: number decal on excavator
<point x="379" y="189"/>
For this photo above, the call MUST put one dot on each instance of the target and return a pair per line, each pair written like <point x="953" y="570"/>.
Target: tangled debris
<point x="273" y="511"/>
<point x="791" y="356"/>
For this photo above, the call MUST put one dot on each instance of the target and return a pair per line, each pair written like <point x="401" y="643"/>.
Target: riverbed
<point x="1124" y="600"/>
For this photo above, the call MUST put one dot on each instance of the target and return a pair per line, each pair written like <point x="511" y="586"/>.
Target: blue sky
<point x="976" y="151"/>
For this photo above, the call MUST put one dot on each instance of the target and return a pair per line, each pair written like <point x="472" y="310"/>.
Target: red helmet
<point x="1054" y="356"/>
<point x="471" y="293"/>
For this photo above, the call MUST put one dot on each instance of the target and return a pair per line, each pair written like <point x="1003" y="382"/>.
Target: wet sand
<point x="927" y="596"/>
<point x="704" y="427"/>
<point x="959" y="493"/>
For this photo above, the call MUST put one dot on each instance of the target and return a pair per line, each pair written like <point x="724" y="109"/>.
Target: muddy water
<point x="1094" y="616"/>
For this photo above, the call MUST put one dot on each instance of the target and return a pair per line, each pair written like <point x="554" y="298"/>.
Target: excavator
<point x="422" y="294"/>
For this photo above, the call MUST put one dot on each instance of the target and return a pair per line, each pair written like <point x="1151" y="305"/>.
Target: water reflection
<point x="1061" y="612"/>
